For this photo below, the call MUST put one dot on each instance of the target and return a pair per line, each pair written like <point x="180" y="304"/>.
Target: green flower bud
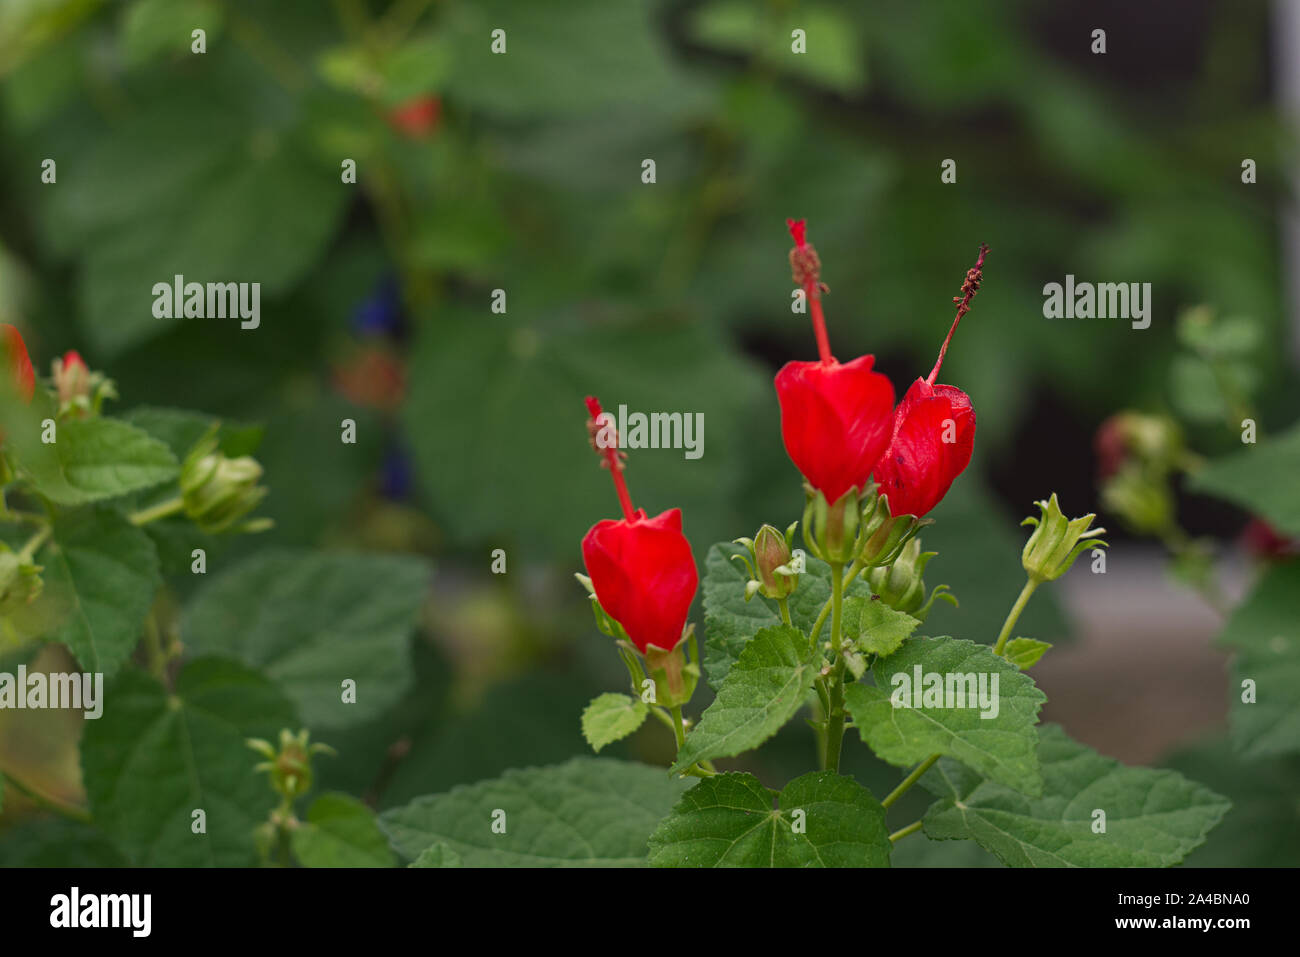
<point x="219" y="491"/>
<point x="1057" y="541"/>
<point x="1144" y="502"/>
<point x="881" y="534"/>
<point x="830" y="531"/>
<point x="674" y="676"/>
<point x="20" y="580"/>
<point x="900" y="584"/>
<point x="289" y="766"/>
<point x="769" y="563"/>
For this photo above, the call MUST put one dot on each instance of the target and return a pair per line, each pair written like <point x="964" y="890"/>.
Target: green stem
<point x="155" y="512"/>
<point x="677" y="726"/>
<point x="48" y="803"/>
<point x="1014" y="615"/>
<point x="784" y="605"/>
<point x="835" y="709"/>
<point x="154" y="649"/>
<point x="852" y="573"/>
<point x="902" y="832"/>
<point x="908" y="781"/>
<point x="33" y="544"/>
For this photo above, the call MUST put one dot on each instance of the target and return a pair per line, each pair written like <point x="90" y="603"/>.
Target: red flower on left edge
<point x="18" y="364"/>
<point x="641" y="569"/>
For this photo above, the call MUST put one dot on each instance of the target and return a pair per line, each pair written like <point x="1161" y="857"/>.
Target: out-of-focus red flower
<point x="641" y="569"/>
<point x="417" y="118"/>
<point x="836" y="418"/>
<point x="374" y="378"/>
<point x="934" y="429"/>
<point x="1265" y="542"/>
<point x="72" y="377"/>
<point x="22" y="378"/>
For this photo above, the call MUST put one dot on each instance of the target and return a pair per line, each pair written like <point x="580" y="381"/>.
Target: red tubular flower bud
<point x="644" y="575"/>
<point x="934" y="429"/>
<point x="836" y="421"/>
<point x="417" y="118"/>
<point x="835" y="418"/>
<point x="22" y="378"/>
<point x="934" y="435"/>
<point x="641" y="569"/>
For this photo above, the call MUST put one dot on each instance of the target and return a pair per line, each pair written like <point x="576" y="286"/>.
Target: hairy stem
<point x="908" y="781"/>
<point x="835" y="704"/>
<point x="1014" y="615"/>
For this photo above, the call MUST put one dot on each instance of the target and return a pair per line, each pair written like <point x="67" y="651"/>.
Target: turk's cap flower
<point x="836" y="421"/>
<point x="20" y="378"/>
<point x="932" y="443"/>
<point x="643" y="574"/>
<point x="769" y="563"/>
<point x="219" y="491"/>
<point x="1057" y="541"/>
<point x="81" y="391"/>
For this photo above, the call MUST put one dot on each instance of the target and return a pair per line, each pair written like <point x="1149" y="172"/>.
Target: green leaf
<point x="340" y="831"/>
<point x="1153" y="818"/>
<point x="526" y="384"/>
<point x="729" y="821"/>
<point x="730" y="621"/>
<point x="875" y="628"/>
<point x="1025" y="652"/>
<point x="1002" y="747"/>
<point x="101" y="574"/>
<point x="155" y="758"/>
<point x="1260" y="479"/>
<point x="312" y="620"/>
<point x="587" y="812"/>
<point x="93" y="459"/>
<point x="437" y="855"/>
<point x="763" y="691"/>
<point x="1264" y="633"/>
<point x="218" y="194"/>
<point x="612" y="717"/>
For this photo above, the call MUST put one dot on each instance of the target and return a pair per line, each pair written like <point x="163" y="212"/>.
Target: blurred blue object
<point x="381" y="313"/>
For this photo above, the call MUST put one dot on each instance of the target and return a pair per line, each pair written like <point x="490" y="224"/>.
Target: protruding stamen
<point x="604" y="439"/>
<point x="805" y="268"/>
<point x="974" y="277"/>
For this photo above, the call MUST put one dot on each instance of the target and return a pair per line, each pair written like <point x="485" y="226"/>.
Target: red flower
<point x="641" y="569"/>
<point x="417" y="118"/>
<point x="644" y="576"/>
<point x="1265" y="542"/>
<point x="919" y="467"/>
<point x="934" y="430"/>
<point x="835" y="418"/>
<point x="21" y="376"/>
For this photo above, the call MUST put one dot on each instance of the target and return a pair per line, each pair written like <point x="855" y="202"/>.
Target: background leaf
<point x="340" y="831"/>
<point x="587" y="812"/>
<point x="101" y="573"/>
<point x="311" y="620"/>
<point x="154" y="758"/>
<point x="729" y="821"/>
<point x="1153" y="818"/>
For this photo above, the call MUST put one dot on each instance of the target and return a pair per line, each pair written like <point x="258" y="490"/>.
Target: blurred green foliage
<point x="672" y="296"/>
